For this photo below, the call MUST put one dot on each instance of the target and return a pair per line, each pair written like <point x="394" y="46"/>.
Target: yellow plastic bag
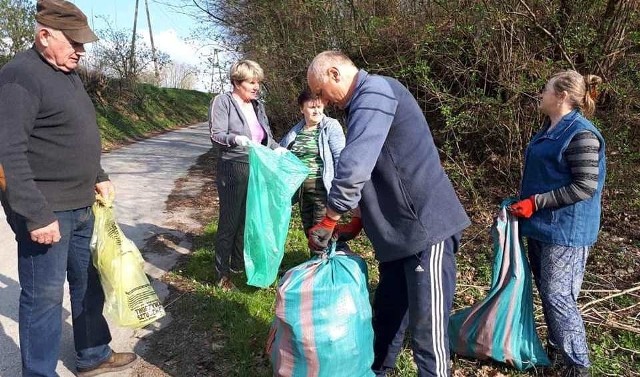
<point x="130" y="301"/>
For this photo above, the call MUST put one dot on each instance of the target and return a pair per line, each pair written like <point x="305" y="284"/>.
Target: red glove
<point x="320" y="234"/>
<point x="524" y="208"/>
<point x="347" y="232"/>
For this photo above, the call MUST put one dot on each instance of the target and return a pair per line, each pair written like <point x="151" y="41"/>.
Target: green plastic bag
<point x="273" y="179"/>
<point x="130" y="301"/>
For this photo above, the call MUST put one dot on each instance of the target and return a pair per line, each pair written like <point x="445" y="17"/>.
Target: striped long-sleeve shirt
<point x="582" y="156"/>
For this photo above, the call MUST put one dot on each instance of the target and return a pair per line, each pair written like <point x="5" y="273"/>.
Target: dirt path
<point x="177" y="350"/>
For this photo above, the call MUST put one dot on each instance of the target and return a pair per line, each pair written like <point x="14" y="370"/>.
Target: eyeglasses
<point x="72" y="44"/>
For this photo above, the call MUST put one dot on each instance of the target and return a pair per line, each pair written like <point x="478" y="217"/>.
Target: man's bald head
<point x="326" y="59"/>
<point x="331" y="76"/>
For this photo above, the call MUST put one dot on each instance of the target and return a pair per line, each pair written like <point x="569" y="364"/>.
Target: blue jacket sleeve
<point x="291" y="135"/>
<point x="286" y="139"/>
<point x="336" y="141"/>
<point x="370" y="115"/>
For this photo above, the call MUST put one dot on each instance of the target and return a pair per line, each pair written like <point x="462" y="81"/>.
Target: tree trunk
<point x="614" y="30"/>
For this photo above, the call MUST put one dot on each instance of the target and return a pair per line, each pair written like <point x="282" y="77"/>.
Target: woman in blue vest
<point x="316" y="140"/>
<point x="563" y="177"/>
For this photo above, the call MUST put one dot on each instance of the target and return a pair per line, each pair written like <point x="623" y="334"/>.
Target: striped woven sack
<point x="502" y="326"/>
<point x="322" y="326"/>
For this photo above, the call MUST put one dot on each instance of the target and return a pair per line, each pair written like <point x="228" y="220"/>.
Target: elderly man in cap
<point x="390" y="167"/>
<point x="50" y="152"/>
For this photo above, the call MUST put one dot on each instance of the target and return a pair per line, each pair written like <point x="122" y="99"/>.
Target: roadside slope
<point x="129" y="115"/>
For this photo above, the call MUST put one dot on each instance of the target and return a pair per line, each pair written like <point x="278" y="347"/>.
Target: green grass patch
<point x="128" y="115"/>
<point x="614" y="353"/>
<point x="243" y="317"/>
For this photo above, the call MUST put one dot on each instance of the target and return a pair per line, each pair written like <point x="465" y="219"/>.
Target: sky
<point x="172" y="31"/>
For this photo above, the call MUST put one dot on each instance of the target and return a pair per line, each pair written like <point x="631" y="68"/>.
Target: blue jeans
<point x="416" y="293"/>
<point x="42" y="270"/>
<point x="558" y="272"/>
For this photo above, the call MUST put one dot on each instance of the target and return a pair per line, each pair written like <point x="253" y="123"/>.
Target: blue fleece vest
<point x="546" y="169"/>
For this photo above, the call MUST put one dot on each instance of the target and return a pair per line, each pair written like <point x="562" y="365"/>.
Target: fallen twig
<point x="483" y="230"/>
<point x="585" y="291"/>
<point x="635" y="352"/>
<point x="176" y="299"/>
<point x="615" y="325"/>
<point x="627" y="308"/>
<point x="620" y="293"/>
<point x="479" y="287"/>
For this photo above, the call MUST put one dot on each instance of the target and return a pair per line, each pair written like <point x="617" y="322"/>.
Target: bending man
<point x="390" y="167"/>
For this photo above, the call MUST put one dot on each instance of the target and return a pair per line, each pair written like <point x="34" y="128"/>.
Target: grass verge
<point x="241" y="319"/>
<point x="126" y="116"/>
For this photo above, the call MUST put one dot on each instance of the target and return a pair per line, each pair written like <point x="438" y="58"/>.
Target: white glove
<point x="280" y="151"/>
<point x="242" y="140"/>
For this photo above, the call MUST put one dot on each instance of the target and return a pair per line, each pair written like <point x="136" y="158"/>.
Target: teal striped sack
<point x="273" y="179"/>
<point x="502" y="326"/>
<point x="322" y="326"/>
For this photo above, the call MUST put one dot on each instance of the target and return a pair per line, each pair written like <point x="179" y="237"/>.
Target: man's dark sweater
<point x="49" y="140"/>
<point x="390" y="167"/>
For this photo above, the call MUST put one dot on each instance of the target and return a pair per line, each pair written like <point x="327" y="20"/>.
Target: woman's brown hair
<point x="581" y="90"/>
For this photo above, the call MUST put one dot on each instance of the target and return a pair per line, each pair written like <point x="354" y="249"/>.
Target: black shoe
<point x="555" y="357"/>
<point x="576" y="371"/>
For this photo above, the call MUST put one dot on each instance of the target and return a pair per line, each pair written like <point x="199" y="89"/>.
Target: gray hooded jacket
<point x="226" y="121"/>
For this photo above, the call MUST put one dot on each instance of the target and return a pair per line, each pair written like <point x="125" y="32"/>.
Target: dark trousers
<point x="232" y="182"/>
<point x="312" y="202"/>
<point x="42" y="270"/>
<point x="416" y="293"/>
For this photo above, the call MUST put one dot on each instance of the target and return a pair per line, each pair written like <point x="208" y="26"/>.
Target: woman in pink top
<point x="236" y="119"/>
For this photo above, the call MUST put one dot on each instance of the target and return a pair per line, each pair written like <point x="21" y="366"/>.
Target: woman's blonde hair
<point x="245" y="70"/>
<point x="581" y="90"/>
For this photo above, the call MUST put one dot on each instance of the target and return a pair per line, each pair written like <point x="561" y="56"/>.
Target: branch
<point x="547" y="32"/>
<point x="615" y="325"/>
<point x="478" y="287"/>
<point x="621" y="293"/>
<point x="222" y="21"/>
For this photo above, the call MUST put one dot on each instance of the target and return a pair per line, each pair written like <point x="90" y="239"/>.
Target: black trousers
<point x="312" y="202"/>
<point x="232" y="182"/>
<point x="416" y="293"/>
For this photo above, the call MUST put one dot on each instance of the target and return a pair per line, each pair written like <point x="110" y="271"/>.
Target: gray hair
<point x="325" y="60"/>
<point x="40" y="26"/>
